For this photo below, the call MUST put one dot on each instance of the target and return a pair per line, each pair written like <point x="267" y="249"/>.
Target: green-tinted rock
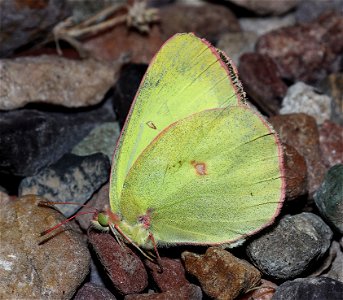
<point x="329" y="197"/>
<point x="102" y="138"/>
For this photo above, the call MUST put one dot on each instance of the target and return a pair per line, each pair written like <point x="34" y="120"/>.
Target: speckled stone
<point x="221" y="275"/>
<point x="35" y="267"/>
<point x="292" y="247"/>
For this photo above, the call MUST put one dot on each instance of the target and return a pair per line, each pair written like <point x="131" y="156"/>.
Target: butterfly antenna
<point x="65" y="221"/>
<point x="51" y="203"/>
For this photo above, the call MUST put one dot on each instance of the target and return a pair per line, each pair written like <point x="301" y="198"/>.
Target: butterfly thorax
<point x="137" y="233"/>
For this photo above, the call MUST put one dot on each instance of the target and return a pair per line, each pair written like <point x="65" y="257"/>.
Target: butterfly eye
<point x="102" y="218"/>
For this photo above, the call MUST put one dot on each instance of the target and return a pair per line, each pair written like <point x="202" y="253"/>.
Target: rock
<point x="103" y="138"/>
<point x="331" y="143"/>
<point x="320" y="288"/>
<point x="261" y="26"/>
<point x="126" y="88"/>
<point x="335" y="269"/>
<point x="118" y="41"/>
<point x="305" y="52"/>
<point x="187" y="292"/>
<point x="302" y="98"/>
<point x="234" y="44"/>
<point x="122" y="265"/>
<point x="265" y="7"/>
<point x="24" y="21"/>
<point x="54" y="80"/>
<point x="72" y="179"/>
<point x="301" y="132"/>
<point x="221" y="275"/>
<point x="295" y="172"/>
<point x="263" y="292"/>
<point x="208" y="21"/>
<point x="333" y="86"/>
<point x="92" y="291"/>
<point x="309" y="10"/>
<point x="329" y="197"/>
<point x="292" y="247"/>
<point x="261" y="81"/>
<point x="173" y="276"/>
<point x="31" y="140"/>
<point x="34" y="267"/>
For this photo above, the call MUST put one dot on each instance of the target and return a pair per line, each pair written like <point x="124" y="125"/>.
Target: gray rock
<point x="34" y="267"/>
<point x="72" y="179"/>
<point x="102" y="138"/>
<point x="329" y="197"/>
<point x="319" y="288"/>
<point x="302" y="98"/>
<point x="292" y="247"/>
<point x="335" y="270"/>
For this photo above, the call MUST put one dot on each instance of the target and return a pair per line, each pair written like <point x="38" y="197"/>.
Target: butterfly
<point x="194" y="163"/>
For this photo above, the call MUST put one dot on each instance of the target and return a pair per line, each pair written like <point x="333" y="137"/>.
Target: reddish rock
<point x="207" y="21"/>
<point x="306" y="52"/>
<point x="296" y="173"/>
<point x="123" y="266"/>
<point x="172" y="277"/>
<point x="331" y="143"/>
<point x="120" y="40"/>
<point x="261" y="81"/>
<point x="26" y="20"/>
<point x="221" y="275"/>
<point x="263" y="292"/>
<point x="186" y="292"/>
<point x="301" y="132"/>
<point x="91" y="291"/>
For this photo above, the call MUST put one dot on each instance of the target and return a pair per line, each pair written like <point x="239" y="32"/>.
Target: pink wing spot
<point x="146" y="219"/>
<point x="200" y="167"/>
<point x="151" y="125"/>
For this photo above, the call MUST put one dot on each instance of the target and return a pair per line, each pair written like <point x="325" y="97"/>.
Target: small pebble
<point x="221" y="275"/>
